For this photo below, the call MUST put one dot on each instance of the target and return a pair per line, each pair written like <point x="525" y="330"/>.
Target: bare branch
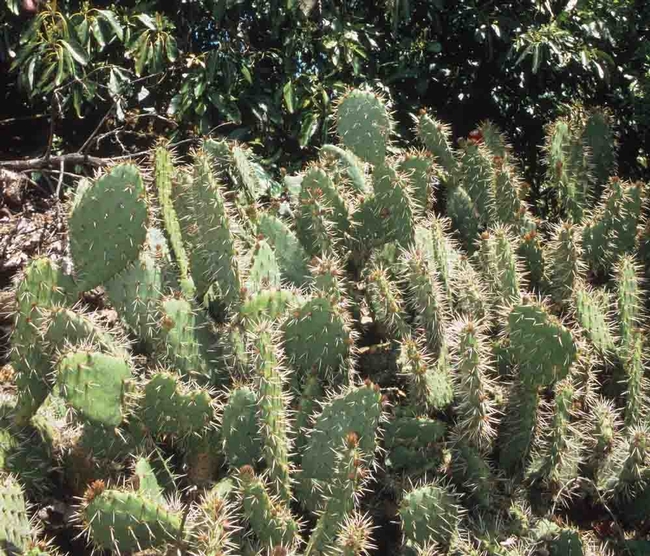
<point x="53" y="162"/>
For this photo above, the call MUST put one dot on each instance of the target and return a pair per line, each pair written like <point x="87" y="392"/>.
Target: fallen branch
<point x="53" y="162"/>
<point x="56" y="161"/>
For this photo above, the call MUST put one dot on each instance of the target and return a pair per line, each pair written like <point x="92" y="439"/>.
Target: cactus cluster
<point x="398" y="356"/>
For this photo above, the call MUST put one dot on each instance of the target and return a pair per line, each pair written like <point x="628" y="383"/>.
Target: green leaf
<point x="172" y="49"/>
<point x="141" y="60"/>
<point x="226" y="108"/>
<point x="30" y="73"/>
<point x="147" y="21"/>
<point x="46" y="78"/>
<point x="158" y="61"/>
<point x="76" y="101"/>
<point x="599" y="68"/>
<point x="98" y="33"/>
<point x="75" y="51"/>
<point x="287" y="91"/>
<point x="536" y="59"/>
<point x="219" y="10"/>
<point x="247" y="75"/>
<point x="308" y="128"/>
<point x="114" y="86"/>
<point x="60" y="73"/>
<point x="174" y="105"/>
<point x="82" y="31"/>
<point x="523" y="55"/>
<point x="112" y="20"/>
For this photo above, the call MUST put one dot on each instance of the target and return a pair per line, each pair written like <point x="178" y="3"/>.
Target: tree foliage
<point x="268" y="72"/>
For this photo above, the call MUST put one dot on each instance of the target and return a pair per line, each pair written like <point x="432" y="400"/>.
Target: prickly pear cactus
<point x="108" y="225"/>
<point x="124" y="520"/>
<point x="408" y="334"/>
<point x="15" y="526"/>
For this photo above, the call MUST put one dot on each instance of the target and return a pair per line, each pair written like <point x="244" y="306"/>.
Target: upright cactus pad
<point x="64" y="327"/>
<point x="364" y="125"/>
<point x="213" y="252"/>
<point x="420" y="170"/>
<point x="435" y="136"/>
<point x="42" y="287"/>
<point x="565" y="261"/>
<point x="272" y="402"/>
<point x="108" y="225"/>
<point x="240" y="428"/>
<point x="171" y="408"/>
<point x="164" y="180"/>
<point x="430" y="384"/>
<point x="15" y="526"/>
<point x="185" y="341"/>
<point x="291" y="256"/>
<point x="429" y="513"/>
<point x="136" y="291"/>
<point x="264" y="272"/>
<point x="268" y="517"/>
<point x="394" y="205"/>
<point x="341" y="497"/>
<point x="534" y="332"/>
<point x="348" y="165"/>
<point x="317" y="336"/>
<point x="477" y="412"/>
<point x="358" y="410"/>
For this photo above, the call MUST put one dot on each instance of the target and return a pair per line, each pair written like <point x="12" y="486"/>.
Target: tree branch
<point x="53" y="162"/>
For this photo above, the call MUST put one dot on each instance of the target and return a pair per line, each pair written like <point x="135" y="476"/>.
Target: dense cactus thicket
<point x="395" y="356"/>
